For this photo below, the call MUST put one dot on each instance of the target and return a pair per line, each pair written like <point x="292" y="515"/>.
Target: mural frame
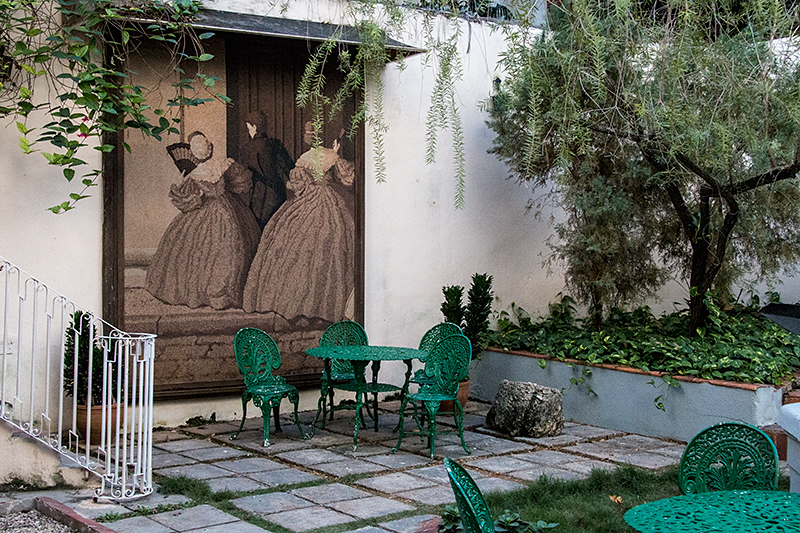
<point x="113" y="266"/>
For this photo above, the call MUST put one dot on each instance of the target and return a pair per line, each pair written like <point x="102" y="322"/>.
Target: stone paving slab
<point x="311" y="457"/>
<point x="167" y="459"/>
<point x="349" y="467"/>
<point x="91" y="509"/>
<point x="233" y="527"/>
<point x="213" y="429"/>
<point x="168" y="435"/>
<point x="363" y="451"/>
<point x="284" y="476"/>
<point x="155" y="499"/>
<point x="500" y="465"/>
<point x="397" y="461"/>
<point x="436" y="495"/>
<point x="215" y="453"/>
<point x="139" y="524"/>
<point x="324" y="494"/>
<point x="196" y="471"/>
<point x="371" y="507"/>
<point x="250" y="464"/>
<point x="255" y="442"/>
<point x="438" y="474"/>
<point x="369" y="529"/>
<point x="178" y="446"/>
<point x="194" y="518"/>
<point x="630" y="449"/>
<point x="273" y="502"/>
<point x="396" y="482"/>
<point x="234" y="484"/>
<point x="310" y="518"/>
<point x="406" y="525"/>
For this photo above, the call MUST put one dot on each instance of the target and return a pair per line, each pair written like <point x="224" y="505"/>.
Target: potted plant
<point x="473" y="318"/>
<point x="77" y="348"/>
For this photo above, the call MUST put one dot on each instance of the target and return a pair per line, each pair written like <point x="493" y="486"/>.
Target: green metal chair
<point x="429" y="340"/>
<point x="257" y="356"/>
<point x="475" y="514"/>
<point x="343" y="333"/>
<point x="446" y="366"/>
<point x="729" y="456"/>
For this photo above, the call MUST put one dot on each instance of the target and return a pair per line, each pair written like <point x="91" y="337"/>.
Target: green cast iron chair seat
<point x="472" y="508"/>
<point x="729" y="456"/>
<point x="446" y="366"/>
<point x="257" y="356"/>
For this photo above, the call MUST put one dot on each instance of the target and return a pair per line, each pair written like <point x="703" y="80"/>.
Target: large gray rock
<point x="523" y="409"/>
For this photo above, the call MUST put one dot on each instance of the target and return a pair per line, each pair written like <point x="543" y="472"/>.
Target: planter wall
<point x="623" y="397"/>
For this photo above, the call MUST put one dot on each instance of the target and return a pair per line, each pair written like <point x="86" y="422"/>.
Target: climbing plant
<point x="375" y="23"/>
<point x="64" y="80"/>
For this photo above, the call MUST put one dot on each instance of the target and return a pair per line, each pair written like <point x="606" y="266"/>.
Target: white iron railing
<point x="54" y="353"/>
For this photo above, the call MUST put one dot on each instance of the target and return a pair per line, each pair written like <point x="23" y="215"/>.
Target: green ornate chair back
<point x="257" y="356"/>
<point x="344" y="333"/>
<point x="437" y="333"/>
<point x="475" y="514"/>
<point x="729" y="456"/>
<point x="447" y="365"/>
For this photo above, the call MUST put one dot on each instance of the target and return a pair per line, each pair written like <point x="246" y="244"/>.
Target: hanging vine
<point x="374" y="23"/>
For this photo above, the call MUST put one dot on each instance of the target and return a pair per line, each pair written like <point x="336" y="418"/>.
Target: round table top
<point x="366" y="353"/>
<point x="725" y="511"/>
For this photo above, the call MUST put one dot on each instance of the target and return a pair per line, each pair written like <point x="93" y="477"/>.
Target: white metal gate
<point x="76" y="383"/>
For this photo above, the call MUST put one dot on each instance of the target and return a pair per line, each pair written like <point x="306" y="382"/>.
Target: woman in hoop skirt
<point x="204" y="254"/>
<point x="304" y="263"/>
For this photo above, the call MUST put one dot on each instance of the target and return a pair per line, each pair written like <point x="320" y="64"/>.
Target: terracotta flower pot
<point x="97" y="422"/>
<point x="463" y="396"/>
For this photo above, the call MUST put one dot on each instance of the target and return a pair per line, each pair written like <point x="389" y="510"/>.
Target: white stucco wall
<point x="64" y="251"/>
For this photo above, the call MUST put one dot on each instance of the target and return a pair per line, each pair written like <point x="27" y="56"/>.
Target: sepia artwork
<point x="238" y="222"/>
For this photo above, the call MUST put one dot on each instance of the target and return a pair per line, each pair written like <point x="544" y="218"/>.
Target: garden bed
<point x="626" y="399"/>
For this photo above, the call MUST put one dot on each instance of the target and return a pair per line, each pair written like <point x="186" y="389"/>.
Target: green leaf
<point x="25" y="145"/>
<point x="69" y="174"/>
<point x="205" y="57"/>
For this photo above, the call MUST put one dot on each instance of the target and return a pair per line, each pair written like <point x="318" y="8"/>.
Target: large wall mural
<point x="238" y="222"/>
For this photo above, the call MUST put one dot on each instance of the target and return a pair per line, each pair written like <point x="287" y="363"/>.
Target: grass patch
<point x="587" y="505"/>
<point x="594" y="505"/>
<point x="196" y="489"/>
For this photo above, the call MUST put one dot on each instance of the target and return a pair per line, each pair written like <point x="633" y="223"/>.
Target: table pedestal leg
<point x="360" y="368"/>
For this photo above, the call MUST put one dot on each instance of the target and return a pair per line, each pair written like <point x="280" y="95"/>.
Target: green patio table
<point x="360" y="357"/>
<point x="730" y="511"/>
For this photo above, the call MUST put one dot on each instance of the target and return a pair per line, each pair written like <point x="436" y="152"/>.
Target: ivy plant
<point x="65" y="83"/>
<point x="738" y="344"/>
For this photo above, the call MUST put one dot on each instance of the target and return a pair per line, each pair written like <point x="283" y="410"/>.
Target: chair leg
<point x="276" y="414"/>
<point x="266" y="411"/>
<point x="294" y="397"/>
<point x="458" y="415"/>
<point x="432" y="407"/>
<point x="245" y="399"/>
<point x="330" y="396"/>
<point x="400" y="424"/>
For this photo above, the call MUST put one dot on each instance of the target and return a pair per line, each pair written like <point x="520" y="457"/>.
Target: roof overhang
<point x="261" y="25"/>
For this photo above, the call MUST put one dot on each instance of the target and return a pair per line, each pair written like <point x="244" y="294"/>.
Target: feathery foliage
<point x="669" y="133"/>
